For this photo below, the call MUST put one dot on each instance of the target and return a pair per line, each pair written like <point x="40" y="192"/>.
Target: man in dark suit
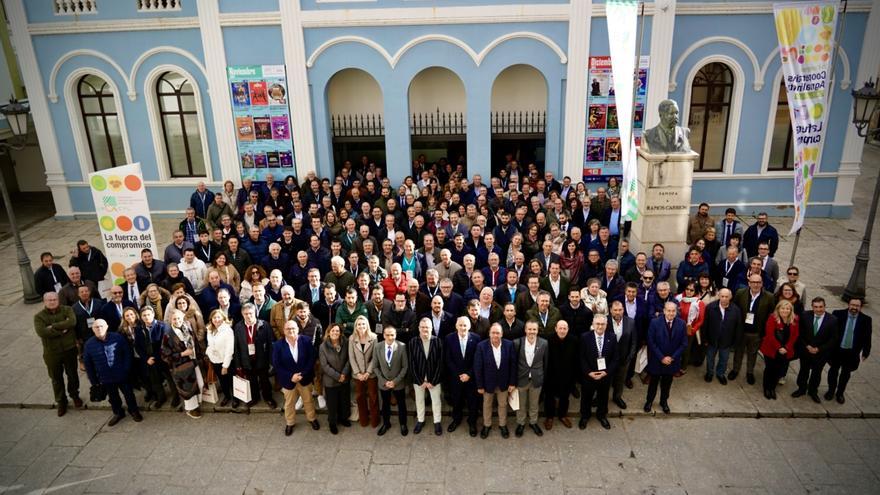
<point x="556" y="284"/>
<point x="527" y="299"/>
<point x="623" y="329"/>
<point x="392" y="364"/>
<point x="506" y="293"/>
<point x="658" y="264"/>
<point x="547" y="256"/>
<point x="50" y="277"/>
<point x="575" y="312"/>
<point x="253" y="354"/>
<point x="755" y="306"/>
<point x="817" y="339"/>
<point x="759" y="232"/>
<point x="495" y="374"/>
<point x="112" y="310"/>
<point x="854" y="328"/>
<point x="612" y="283"/>
<point x="131" y="290"/>
<point x="598" y="366"/>
<point x="425" y="370"/>
<point x="582" y="216"/>
<point x="293" y="358"/>
<point x="722" y="328"/>
<point x="531" y="352"/>
<point x="459" y="350"/>
<point x="442" y="322"/>
<point x="667" y="339"/>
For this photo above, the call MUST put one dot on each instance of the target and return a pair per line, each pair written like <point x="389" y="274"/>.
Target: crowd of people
<point x="511" y="295"/>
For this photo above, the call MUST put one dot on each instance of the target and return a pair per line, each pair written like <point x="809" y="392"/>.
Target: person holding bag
<point x="221" y="346"/>
<point x="780" y="335"/>
<point x="183" y="354"/>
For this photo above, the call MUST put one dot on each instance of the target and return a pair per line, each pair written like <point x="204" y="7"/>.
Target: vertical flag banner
<point x="262" y="120"/>
<point x="123" y="216"/>
<point x="806" y="44"/>
<point x="622" y="18"/>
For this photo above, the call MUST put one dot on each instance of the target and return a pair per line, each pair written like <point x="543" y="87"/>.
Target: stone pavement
<point x="169" y="453"/>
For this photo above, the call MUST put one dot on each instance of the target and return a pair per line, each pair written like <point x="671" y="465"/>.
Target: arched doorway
<point x="519" y="114"/>
<point x="355" y="105"/>
<point x="438" y="110"/>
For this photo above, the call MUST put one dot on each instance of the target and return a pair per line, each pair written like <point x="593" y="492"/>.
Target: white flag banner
<point x="622" y="18"/>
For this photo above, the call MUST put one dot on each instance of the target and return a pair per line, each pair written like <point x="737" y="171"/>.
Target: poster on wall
<point x="602" y="157"/>
<point x="262" y="120"/>
<point x="123" y="216"/>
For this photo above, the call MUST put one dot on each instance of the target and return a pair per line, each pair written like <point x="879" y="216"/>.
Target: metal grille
<point x="357" y="125"/>
<point x="438" y="124"/>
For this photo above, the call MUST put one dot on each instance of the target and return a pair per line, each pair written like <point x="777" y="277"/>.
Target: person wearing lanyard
<point x="755" y="305"/>
<point x="86" y="310"/>
<point x="854" y="328"/>
<point x="599" y="363"/>
<point x="49" y="277"/>
<point x="253" y="351"/>
<point x="731" y="270"/>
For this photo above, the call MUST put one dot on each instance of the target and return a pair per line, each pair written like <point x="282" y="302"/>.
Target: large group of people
<point x="358" y="296"/>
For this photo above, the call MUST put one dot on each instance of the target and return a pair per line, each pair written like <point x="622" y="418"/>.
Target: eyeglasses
<point x="647" y="278"/>
<point x="793" y="274"/>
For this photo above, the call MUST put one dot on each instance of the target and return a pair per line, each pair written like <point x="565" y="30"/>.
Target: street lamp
<point x="16" y="115"/>
<point x="865" y="103"/>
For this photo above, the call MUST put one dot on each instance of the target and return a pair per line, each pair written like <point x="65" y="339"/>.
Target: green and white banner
<point x="806" y="47"/>
<point x="622" y="18"/>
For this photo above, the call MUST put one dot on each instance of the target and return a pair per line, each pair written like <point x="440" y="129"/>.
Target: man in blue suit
<point x="598" y="366"/>
<point x="667" y="339"/>
<point x="459" y="349"/>
<point x="495" y="373"/>
<point x="294" y="360"/>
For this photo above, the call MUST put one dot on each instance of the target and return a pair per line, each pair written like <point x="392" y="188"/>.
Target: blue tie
<point x="314" y="294"/>
<point x="847" y="342"/>
<point x="512" y="295"/>
<point x="388" y="355"/>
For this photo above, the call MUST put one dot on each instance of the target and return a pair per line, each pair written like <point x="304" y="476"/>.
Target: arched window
<point x="100" y="122"/>
<point x="180" y="125"/>
<point x="781" y="145"/>
<point x="709" y="115"/>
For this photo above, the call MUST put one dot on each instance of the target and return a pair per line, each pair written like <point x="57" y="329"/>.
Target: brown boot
<point x="548" y="424"/>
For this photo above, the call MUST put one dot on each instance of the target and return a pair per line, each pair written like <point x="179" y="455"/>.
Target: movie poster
<point x="262" y="120"/>
<point x="603" y="156"/>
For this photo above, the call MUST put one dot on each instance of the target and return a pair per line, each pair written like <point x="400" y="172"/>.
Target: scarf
<point x="693" y="308"/>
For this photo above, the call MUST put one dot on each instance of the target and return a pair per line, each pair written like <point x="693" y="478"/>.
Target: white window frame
<point x="152" y="101"/>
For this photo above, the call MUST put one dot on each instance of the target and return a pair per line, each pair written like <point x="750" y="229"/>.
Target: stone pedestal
<point x="665" y="183"/>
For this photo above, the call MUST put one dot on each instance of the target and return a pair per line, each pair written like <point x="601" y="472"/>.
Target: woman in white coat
<point x="221" y="343"/>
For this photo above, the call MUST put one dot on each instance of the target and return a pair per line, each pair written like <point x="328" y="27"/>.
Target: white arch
<point x="132" y="94"/>
<point x="715" y="39"/>
<point x="734" y="110"/>
<point x="845" y="81"/>
<point x="162" y="165"/>
<point x="81" y="52"/>
<point x="476" y="57"/>
<point x="76" y="122"/>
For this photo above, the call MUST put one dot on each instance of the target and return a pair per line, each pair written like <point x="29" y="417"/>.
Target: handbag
<point x="241" y="388"/>
<point x="209" y="393"/>
<point x="212" y="377"/>
<point x="513" y="399"/>
<point x="642" y="359"/>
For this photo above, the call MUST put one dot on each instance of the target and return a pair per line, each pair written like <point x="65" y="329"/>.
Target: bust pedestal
<point x="665" y="182"/>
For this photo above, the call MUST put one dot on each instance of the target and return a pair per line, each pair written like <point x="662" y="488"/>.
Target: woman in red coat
<point x="780" y="335"/>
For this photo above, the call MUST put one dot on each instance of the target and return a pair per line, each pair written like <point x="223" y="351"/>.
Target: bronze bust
<point x="668" y="136"/>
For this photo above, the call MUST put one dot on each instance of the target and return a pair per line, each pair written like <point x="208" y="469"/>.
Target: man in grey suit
<point x="771" y="267"/>
<point x="624" y="329"/>
<point x="531" y="352"/>
<point x="392" y="365"/>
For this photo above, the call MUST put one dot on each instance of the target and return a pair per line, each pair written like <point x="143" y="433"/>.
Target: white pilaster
<point x="576" y="88"/>
<point x="30" y="72"/>
<point x="218" y="89"/>
<point x="662" y="31"/>
<point x="869" y="67"/>
<point x="298" y="86"/>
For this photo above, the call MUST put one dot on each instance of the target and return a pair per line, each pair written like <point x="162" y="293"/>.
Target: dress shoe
<point x="418" y="428"/>
<point x="334" y="430"/>
<point x="315" y="425"/>
<point x="505" y="433"/>
<point x="829" y="395"/>
<point x="722" y="380"/>
<point x="732" y="375"/>
<point x="344" y="422"/>
<point x="798" y="393"/>
<point x="620" y="403"/>
<point x="646" y="379"/>
<point x="766" y="394"/>
<point x="773" y="394"/>
<point x="647" y="407"/>
<point x="519" y="430"/>
<point x="136" y="416"/>
<point x="62" y="409"/>
<point x="582" y="424"/>
<point x="816" y="398"/>
<point x="605" y="424"/>
<point x="576" y="393"/>
<point x="272" y="404"/>
<point x="484" y="433"/>
<point x="708" y="378"/>
<point x="175" y="402"/>
<point x="628" y="383"/>
<point x="288" y="430"/>
<point x="453" y="426"/>
<point x="472" y="430"/>
<point x="235" y="403"/>
<point x="404" y="431"/>
<point x="679" y="373"/>
<point x="438" y="429"/>
<point x="565" y="422"/>
<point x="224" y="402"/>
<point x="537" y="429"/>
<point x="750" y="378"/>
<point x="115" y="420"/>
<point x="78" y="403"/>
<point x="841" y="399"/>
<point x="194" y="414"/>
<point x="548" y="424"/>
<point x="383" y="429"/>
<point x="665" y="407"/>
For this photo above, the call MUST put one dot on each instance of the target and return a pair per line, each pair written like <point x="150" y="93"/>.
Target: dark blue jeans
<point x="723" y="355"/>
<point x="113" y="390"/>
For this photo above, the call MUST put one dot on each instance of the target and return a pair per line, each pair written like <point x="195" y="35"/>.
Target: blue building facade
<point x="114" y="82"/>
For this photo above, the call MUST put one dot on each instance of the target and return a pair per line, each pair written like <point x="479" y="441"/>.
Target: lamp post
<point x="865" y="103"/>
<point x="16" y="115"/>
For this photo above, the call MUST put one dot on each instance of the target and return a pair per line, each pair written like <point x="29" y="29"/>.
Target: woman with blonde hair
<point x="360" y="356"/>
<point x="228" y="273"/>
<point x="334" y="358"/>
<point x="184" y="355"/>
<point x="221" y="344"/>
<point x="777" y="347"/>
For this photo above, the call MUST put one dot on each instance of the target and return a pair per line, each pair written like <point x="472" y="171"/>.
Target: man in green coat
<point x="56" y="326"/>
<point x="545" y="314"/>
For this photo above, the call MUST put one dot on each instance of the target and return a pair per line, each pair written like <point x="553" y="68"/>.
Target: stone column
<point x="665" y="183"/>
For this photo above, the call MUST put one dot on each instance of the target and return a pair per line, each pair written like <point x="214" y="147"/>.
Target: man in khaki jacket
<point x="56" y="326"/>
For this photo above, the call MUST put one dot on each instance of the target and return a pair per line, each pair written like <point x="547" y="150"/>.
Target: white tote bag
<point x="513" y="399"/>
<point x="241" y="389"/>
<point x="209" y="393"/>
<point x="642" y="359"/>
